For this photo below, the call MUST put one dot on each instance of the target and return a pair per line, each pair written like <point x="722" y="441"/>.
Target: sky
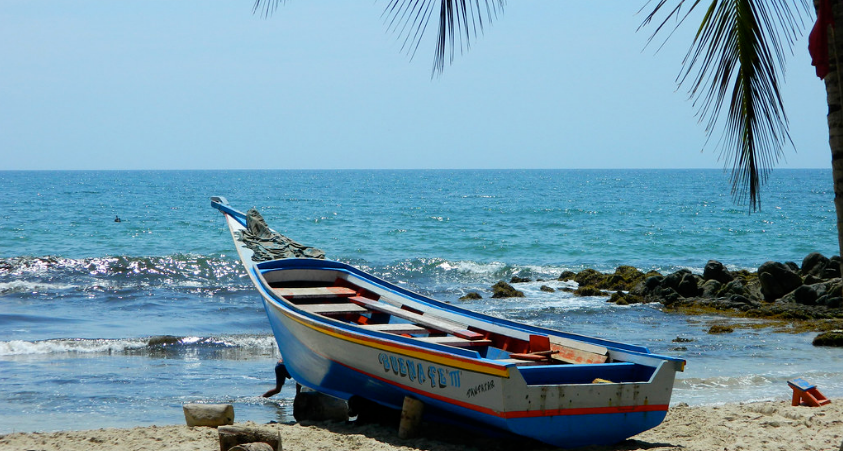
<point x="197" y="84"/>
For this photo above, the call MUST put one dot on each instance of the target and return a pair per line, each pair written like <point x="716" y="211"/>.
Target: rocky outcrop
<point x="830" y="338"/>
<point x="471" y="296"/>
<point x="624" y="279"/>
<point x="505" y="290"/>
<point x="813" y="290"/>
<point x="777" y="279"/>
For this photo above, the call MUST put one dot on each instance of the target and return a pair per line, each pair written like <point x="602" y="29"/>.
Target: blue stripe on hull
<point x="572" y="431"/>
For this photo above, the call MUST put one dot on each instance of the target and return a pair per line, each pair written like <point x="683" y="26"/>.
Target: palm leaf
<point x="739" y="53"/>
<point x="266" y="7"/>
<point x="459" y="22"/>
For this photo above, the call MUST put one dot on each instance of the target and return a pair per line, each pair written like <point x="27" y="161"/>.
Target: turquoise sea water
<point x="81" y="295"/>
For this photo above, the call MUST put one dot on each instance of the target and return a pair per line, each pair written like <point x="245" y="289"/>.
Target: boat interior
<point x="334" y="296"/>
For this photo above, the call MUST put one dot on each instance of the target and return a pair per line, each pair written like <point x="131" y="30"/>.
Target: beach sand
<point x="752" y="426"/>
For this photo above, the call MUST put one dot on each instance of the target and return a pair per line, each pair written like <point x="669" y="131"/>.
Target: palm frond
<point x="266" y="7"/>
<point x="739" y="53"/>
<point x="459" y="22"/>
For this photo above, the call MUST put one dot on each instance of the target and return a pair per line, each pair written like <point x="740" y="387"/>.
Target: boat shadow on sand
<point x="441" y="437"/>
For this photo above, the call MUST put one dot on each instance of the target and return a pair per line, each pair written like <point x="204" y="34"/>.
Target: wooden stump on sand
<point x="211" y="415"/>
<point x="257" y="446"/>
<point x="232" y="436"/>
<point x="411" y="416"/>
<point x="315" y="406"/>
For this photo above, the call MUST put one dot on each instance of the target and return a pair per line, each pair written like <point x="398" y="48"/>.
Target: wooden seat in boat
<point x="314" y="292"/>
<point x="333" y="308"/>
<point x="424" y="320"/>
<point x="394" y="328"/>
<point x="455" y="341"/>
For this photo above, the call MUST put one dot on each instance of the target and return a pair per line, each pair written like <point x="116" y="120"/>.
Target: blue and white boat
<point x="347" y="334"/>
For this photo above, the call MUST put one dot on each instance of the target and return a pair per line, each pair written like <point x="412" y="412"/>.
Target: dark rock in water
<point x="668" y="295"/>
<point x="710" y="288"/>
<point x="618" y="298"/>
<point x="832" y="271"/>
<point x="566" y="275"/>
<point x="624" y="278"/>
<point x="808" y="294"/>
<point x="776" y="290"/>
<point x="814" y="264"/>
<point x="777" y="280"/>
<point x="714" y="270"/>
<point x="811" y="279"/>
<point x="471" y="296"/>
<point x="653" y="282"/>
<point x="516" y="279"/>
<point x="734" y="288"/>
<point x="163" y="340"/>
<point x="740" y="300"/>
<point x="721" y="329"/>
<point x="547" y="289"/>
<point x="505" y="290"/>
<point x="672" y="280"/>
<point x="589" y="277"/>
<point x="621" y="298"/>
<point x="682" y="340"/>
<point x="588" y="290"/>
<point x="689" y="285"/>
<point x="830" y="338"/>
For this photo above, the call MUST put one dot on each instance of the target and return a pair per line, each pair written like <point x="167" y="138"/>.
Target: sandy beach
<point x="732" y="427"/>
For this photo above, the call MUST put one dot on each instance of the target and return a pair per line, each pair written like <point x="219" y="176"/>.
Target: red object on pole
<point x="818" y="39"/>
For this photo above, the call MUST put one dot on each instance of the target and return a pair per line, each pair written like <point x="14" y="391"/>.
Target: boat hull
<point x="337" y="360"/>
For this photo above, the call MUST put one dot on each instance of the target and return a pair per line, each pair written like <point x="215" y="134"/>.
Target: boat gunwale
<point x="319" y="264"/>
<point x="388" y="342"/>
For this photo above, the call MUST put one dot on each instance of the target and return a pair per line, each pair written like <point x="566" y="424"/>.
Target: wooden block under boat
<point x="425" y="320"/>
<point x="314" y="292"/>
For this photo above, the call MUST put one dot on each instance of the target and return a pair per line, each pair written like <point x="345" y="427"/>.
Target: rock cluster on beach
<point x="813" y="290"/>
<point x="786" y="291"/>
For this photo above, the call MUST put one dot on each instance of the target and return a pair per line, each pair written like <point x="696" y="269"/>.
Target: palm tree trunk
<point x="834" y="94"/>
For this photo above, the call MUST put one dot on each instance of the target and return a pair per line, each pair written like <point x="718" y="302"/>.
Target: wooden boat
<point x="348" y="334"/>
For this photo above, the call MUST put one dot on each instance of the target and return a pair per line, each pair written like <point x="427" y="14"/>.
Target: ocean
<point x="118" y="324"/>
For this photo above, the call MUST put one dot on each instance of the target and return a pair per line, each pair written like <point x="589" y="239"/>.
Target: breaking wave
<point x="52" y="274"/>
<point x="258" y="345"/>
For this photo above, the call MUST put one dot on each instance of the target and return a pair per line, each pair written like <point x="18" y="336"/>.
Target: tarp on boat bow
<point x="270" y="245"/>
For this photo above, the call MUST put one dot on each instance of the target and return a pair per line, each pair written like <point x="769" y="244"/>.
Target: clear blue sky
<point x="190" y="84"/>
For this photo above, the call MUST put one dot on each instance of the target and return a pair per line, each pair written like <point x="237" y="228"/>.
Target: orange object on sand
<point x="806" y="394"/>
